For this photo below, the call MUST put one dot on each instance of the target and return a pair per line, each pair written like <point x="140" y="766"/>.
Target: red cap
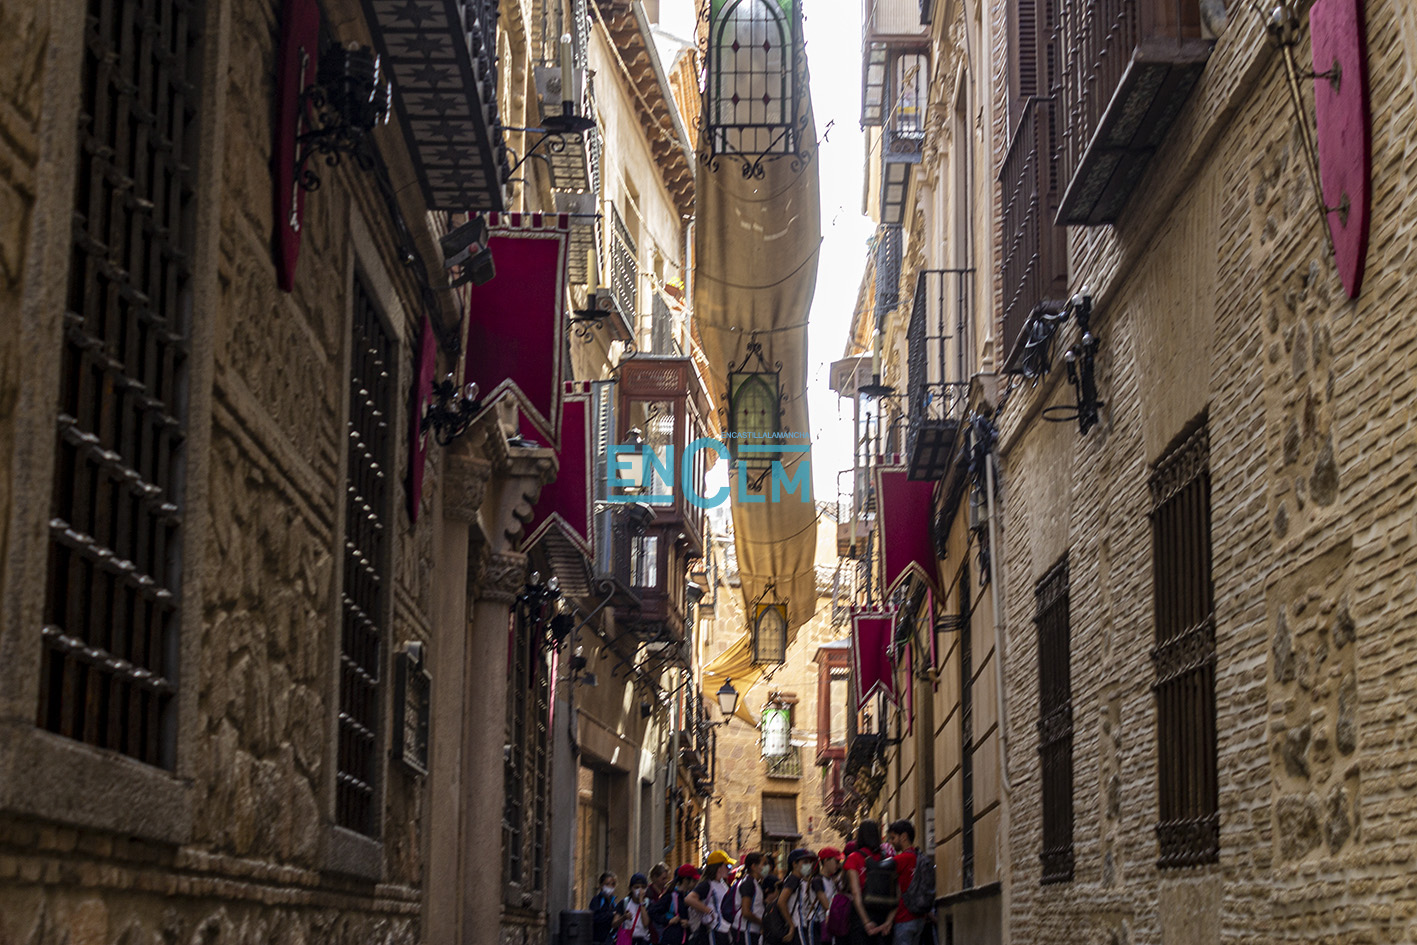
<point x="687" y="871"/>
<point x="850" y="847"/>
<point x="828" y="853"/>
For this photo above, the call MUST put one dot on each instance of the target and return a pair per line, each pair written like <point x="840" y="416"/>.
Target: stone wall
<point x="1216" y="291"/>
<point x="261" y="861"/>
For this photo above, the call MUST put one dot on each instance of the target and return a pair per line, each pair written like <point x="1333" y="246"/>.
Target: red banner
<point x="565" y="504"/>
<point x="871" y="634"/>
<point x="906" y="510"/>
<point x="425" y="368"/>
<point x="299" y="55"/>
<point x="517" y="324"/>
<point x="1344" y="126"/>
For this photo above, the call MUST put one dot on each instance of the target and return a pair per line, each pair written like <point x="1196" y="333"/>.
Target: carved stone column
<point x="497" y="582"/>
<point x="464" y="487"/>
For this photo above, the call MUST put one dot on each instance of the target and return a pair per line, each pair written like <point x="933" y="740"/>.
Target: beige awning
<point x="757" y="242"/>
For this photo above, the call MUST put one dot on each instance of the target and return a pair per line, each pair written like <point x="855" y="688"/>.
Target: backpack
<point x="879" y="889"/>
<point x="728" y="905"/>
<point x="919" y="896"/>
<point x="776" y="928"/>
<point x="839" y="916"/>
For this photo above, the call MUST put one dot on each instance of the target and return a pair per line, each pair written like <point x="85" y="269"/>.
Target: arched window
<point x="752" y="100"/>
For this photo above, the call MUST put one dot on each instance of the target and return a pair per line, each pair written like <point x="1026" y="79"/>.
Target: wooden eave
<point x="653" y="102"/>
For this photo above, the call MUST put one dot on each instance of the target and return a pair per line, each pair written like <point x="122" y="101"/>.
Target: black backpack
<point x="880" y="891"/>
<point x="919" y="897"/>
<point x="776" y="929"/>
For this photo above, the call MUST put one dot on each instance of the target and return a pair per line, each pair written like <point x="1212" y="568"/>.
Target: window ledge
<point x="351" y="854"/>
<point x="55" y="778"/>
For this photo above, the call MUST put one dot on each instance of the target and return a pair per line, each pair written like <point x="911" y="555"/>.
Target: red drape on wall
<point x="517" y="323"/>
<point x="565" y="504"/>
<point x="905" y="511"/>
<point x="871" y="634"/>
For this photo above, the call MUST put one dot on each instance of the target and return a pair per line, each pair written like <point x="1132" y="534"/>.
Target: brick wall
<point x="1216" y="289"/>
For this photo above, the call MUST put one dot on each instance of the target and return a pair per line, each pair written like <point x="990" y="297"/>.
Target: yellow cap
<point x="718" y="856"/>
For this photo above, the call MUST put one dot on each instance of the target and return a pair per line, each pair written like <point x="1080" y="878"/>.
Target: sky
<point x="833" y="34"/>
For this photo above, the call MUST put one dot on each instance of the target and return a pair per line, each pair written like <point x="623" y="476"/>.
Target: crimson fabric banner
<point x="871" y="633"/>
<point x="905" y="511"/>
<point x="565" y="504"/>
<point x="424" y="370"/>
<point x="299" y="56"/>
<point x="1343" y="124"/>
<point x="517" y="323"/>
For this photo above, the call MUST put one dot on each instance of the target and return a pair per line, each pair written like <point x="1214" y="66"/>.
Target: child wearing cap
<point x="825" y="885"/>
<point x="670" y="914"/>
<point x="707" y="897"/>
<point x="635" y="908"/>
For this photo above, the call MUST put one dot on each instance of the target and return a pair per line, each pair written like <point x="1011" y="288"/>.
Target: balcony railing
<point x="786" y="766"/>
<point x="451" y="122"/>
<point x="1127" y="67"/>
<point x="624" y="268"/>
<point x="1035" y="259"/>
<point x="940" y="361"/>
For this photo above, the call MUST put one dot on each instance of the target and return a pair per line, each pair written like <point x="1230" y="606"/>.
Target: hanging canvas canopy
<point x="758" y="233"/>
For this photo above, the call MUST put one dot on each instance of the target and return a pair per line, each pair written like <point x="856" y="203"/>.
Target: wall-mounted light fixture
<point x="727" y="702"/>
<point x="340" y="111"/>
<point x="450" y="409"/>
<point x="1036" y="359"/>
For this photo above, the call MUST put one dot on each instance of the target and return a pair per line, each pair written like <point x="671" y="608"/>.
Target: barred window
<point x="366" y="570"/>
<point x="1188" y="827"/>
<point x="111" y="609"/>
<point x="1055" y="722"/>
<point x="526" y="773"/>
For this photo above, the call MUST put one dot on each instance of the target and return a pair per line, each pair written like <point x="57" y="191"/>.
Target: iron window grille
<point x="1055" y="722"/>
<point x="1188" y="827"/>
<point x="786" y="766"/>
<point x="624" y="267"/>
<point x="752" y="79"/>
<point x="110" y="627"/>
<point x="966" y="737"/>
<point x="527" y="765"/>
<point x="366" y="569"/>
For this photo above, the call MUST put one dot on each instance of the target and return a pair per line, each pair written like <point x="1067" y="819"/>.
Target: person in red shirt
<point x="907" y="925"/>
<point x="866" y="928"/>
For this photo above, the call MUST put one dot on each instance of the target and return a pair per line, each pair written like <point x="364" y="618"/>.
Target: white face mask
<point x="638" y="892"/>
<point x="805" y="869"/>
<point x="608" y="890"/>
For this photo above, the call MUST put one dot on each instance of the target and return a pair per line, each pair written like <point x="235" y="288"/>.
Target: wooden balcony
<point x="1035" y="251"/>
<point x="1128" y="67"/>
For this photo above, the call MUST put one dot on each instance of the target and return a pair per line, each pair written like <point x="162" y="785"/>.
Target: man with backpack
<point x="907" y="924"/>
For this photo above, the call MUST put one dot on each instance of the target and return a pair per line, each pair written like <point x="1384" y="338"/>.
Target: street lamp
<point x="727" y="701"/>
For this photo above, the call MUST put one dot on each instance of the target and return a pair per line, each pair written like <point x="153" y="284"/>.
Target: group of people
<point x="862" y="895"/>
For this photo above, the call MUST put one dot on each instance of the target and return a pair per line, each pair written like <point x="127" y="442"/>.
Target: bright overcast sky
<point x="833" y="30"/>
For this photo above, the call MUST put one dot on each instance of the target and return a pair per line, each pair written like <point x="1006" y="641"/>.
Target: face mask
<point x="805" y="869"/>
<point x="608" y="890"/>
<point x="638" y="893"/>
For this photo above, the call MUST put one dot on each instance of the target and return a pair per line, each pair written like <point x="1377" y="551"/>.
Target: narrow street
<point x="707" y="472"/>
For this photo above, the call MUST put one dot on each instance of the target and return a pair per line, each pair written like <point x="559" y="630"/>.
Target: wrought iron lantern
<point x="753" y="82"/>
<point x="727" y="701"/>
<point x="769" y="628"/>
<point x="349" y="99"/>
<point x="599" y="302"/>
<point x="754" y="408"/>
<point x="1036" y="359"/>
<point x="450" y="409"/>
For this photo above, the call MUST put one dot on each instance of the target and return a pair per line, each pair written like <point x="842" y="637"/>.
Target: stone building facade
<point x="1199" y="596"/>
<point x="262" y="777"/>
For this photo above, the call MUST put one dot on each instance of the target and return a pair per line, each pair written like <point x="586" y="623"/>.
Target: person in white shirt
<point x="749" y="920"/>
<point x="798" y="900"/>
<point x="707" y="898"/>
<point x="636" y="909"/>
